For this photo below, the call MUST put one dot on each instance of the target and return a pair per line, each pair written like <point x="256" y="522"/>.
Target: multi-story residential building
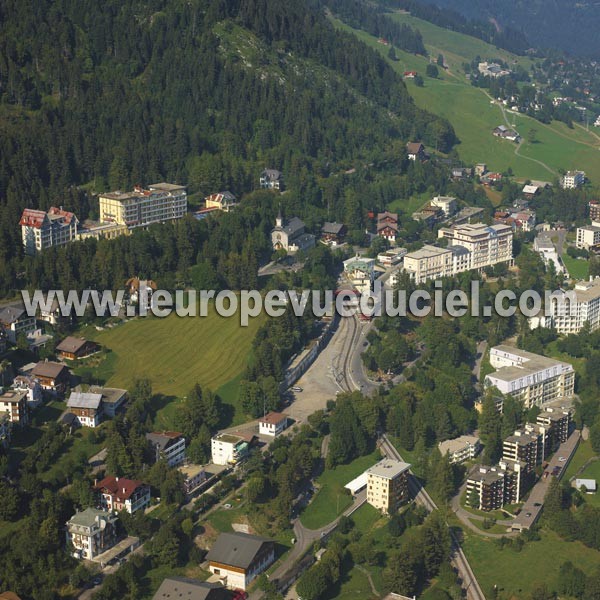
<point x="160" y="203"/>
<point x="525" y="446"/>
<point x="360" y="272"/>
<point x="486" y="485"/>
<point x="572" y="180"/>
<point x="194" y="476"/>
<point x="223" y="201"/>
<point x="169" y="446"/>
<point x="487" y="244"/>
<point x="53" y="377"/>
<point x="517" y="479"/>
<point x="228" y="448"/>
<point x="569" y="311"/>
<point x="290" y="235"/>
<point x="387" y="484"/>
<point x="588" y="237"/>
<point x="272" y="423"/>
<point x="41" y="230"/>
<point x="87" y="407"/>
<point x="594" y="207"/>
<point x="533" y="379"/>
<point x="238" y="558"/>
<point x="33" y="388"/>
<point x="271" y="179"/>
<point x="461" y="448"/>
<point x="113" y="399"/>
<point x="91" y="532"/>
<point x="118" y="493"/>
<point x="447" y="204"/>
<point x="15" y="321"/>
<point x="559" y="423"/>
<point x="14" y="404"/>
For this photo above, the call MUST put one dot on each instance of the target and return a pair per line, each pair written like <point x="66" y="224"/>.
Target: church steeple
<point x="279" y="219"/>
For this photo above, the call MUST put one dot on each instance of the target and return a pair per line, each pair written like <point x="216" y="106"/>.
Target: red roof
<point x="32" y="218"/>
<point x="273" y="418"/>
<point x="59" y="212"/>
<point x="118" y="487"/>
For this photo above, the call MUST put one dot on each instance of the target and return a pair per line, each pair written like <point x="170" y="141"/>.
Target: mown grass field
<point x="516" y="573"/>
<point x="473" y="115"/>
<point x="177" y="352"/>
<point x="578" y="269"/>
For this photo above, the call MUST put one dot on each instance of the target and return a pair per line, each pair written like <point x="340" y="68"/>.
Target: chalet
<point x="333" y="233"/>
<point x="87" y="407"/>
<point x="113" y="399"/>
<point x="53" y="377"/>
<point x="506" y="133"/>
<point x="491" y="178"/>
<point x="73" y="348"/>
<point x="181" y="587"/>
<point x="15" y="321"/>
<point x="415" y="151"/>
<point x="118" y="493"/>
<point x="168" y="445"/>
<point x="13" y="403"/>
<point x="223" y="201"/>
<point x="410" y="74"/>
<point x="238" y="558"/>
<point x="271" y="179"/>
<point x="529" y="191"/>
<point x="272" y="423"/>
<point x="387" y="225"/>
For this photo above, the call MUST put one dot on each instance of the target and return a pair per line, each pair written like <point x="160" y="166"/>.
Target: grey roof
<point x="458" y="249"/>
<point x="334" y="228"/>
<point x="293" y="226"/>
<point x="236" y="549"/>
<point x="182" y="587"/>
<point x="87" y="517"/>
<point x="272" y="174"/>
<point x="10" y="314"/>
<point x="163" y="440"/>
<point x="84" y="400"/>
<point x="49" y="369"/>
<point x="109" y="395"/>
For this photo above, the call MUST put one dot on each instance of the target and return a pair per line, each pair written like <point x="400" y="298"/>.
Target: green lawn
<point x="592" y="471"/>
<point x="353" y="585"/>
<point x="583" y="453"/>
<point x="332" y="499"/>
<point x="177" y="352"/>
<point x="473" y="115"/>
<point x="517" y="572"/>
<point x="578" y="269"/>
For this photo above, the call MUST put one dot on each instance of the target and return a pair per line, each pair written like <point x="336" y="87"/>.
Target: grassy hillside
<point x="177" y="352"/>
<point x="474" y="115"/>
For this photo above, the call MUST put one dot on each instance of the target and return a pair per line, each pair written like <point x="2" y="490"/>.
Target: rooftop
<point x="119" y="487"/>
<point x="388" y="468"/>
<point x="450" y="446"/>
<point x="84" y="400"/>
<point x="236" y="549"/>
<point x="89" y="517"/>
<point x="71" y="344"/>
<point x="49" y="369"/>
<point x="273" y="418"/>
<point x="13" y="396"/>
<point x="109" y="395"/>
<point x="181" y="587"/>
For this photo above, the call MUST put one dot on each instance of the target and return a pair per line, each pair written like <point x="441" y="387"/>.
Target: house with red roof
<point x="41" y="230"/>
<point x="272" y="423"/>
<point x="118" y="493"/>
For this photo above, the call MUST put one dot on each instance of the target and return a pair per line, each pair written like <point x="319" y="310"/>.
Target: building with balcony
<point x="387" y="485"/>
<point x="588" y="237"/>
<point x="119" y="493"/>
<point x="572" y="180"/>
<point x="41" y="230"/>
<point x="91" y="532"/>
<point x="271" y="179"/>
<point x="15" y="321"/>
<point x="87" y="408"/>
<point x="533" y="379"/>
<point x="168" y="446"/>
<point x="13" y="404"/>
<point x="160" y="203"/>
<point x="228" y="448"/>
<point x="360" y="272"/>
<point x="461" y="448"/>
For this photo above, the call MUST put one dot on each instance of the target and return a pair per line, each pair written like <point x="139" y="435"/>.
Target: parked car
<point x="561" y="459"/>
<point x="296" y="389"/>
<point x="227" y="506"/>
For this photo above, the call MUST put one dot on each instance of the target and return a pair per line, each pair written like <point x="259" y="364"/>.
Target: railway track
<point x="458" y="558"/>
<point x="342" y="362"/>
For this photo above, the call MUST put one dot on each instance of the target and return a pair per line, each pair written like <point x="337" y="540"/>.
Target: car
<point x="537" y="503"/>
<point x="296" y="389"/>
<point x="561" y="459"/>
<point x="227" y="506"/>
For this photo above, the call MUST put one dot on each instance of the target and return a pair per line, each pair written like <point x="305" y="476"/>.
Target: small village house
<point x="272" y="423"/>
<point x="87" y="407"/>
<point x="415" y="151"/>
<point x="333" y="233"/>
<point x="73" y="348"/>
<point x="223" y="201"/>
<point x="53" y="377"/>
<point x="271" y="179"/>
<point x="33" y="388"/>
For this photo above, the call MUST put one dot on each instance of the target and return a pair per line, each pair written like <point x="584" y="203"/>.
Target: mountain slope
<point x="570" y="25"/>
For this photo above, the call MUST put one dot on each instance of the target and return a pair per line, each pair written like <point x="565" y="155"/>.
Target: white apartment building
<point x="41" y="230"/>
<point x="589" y="236"/>
<point x="91" y="532"/>
<point x="228" y="449"/>
<point x="487" y="244"/>
<point x="141" y="207"/>
<point x="169" y="446"/>
<point x="387" y="484"/>
<point x="530" y="378"/>
<point x="572" y="180"/>
<point x="470" y="247"/>
<point x="568" y="311"/>
<point x="446" y="203"/>
<point x="461" y="448"/>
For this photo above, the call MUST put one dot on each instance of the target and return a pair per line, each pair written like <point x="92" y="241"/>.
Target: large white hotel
<point x="142" y="207"/>
<point x="470" y="247"/>
<point x="569" y="311"/>
<point x="533" y="379"/>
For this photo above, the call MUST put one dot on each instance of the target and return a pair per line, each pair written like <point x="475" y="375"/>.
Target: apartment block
<point x="588" y="237"/>
<point x="228" y="448"/>
<point x="119" y="493"/>
<point x="41" y="230"/>
<point x="594" y="207"/>
<point x="493" y="487"/>
<point x="524" y="446"/>
<point x="387" y="485"/>
<point x="91" y="532"/>
<point x="572" y="180"/>
<point x="160" y="203"/>
<point x="559" y="422"/>
<point x="168" y="446"/>
<point x="13" y="404"/>
<point x="569" y="311"/>
<point x="461" y="448"/>
<point x="533" y="379"/>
